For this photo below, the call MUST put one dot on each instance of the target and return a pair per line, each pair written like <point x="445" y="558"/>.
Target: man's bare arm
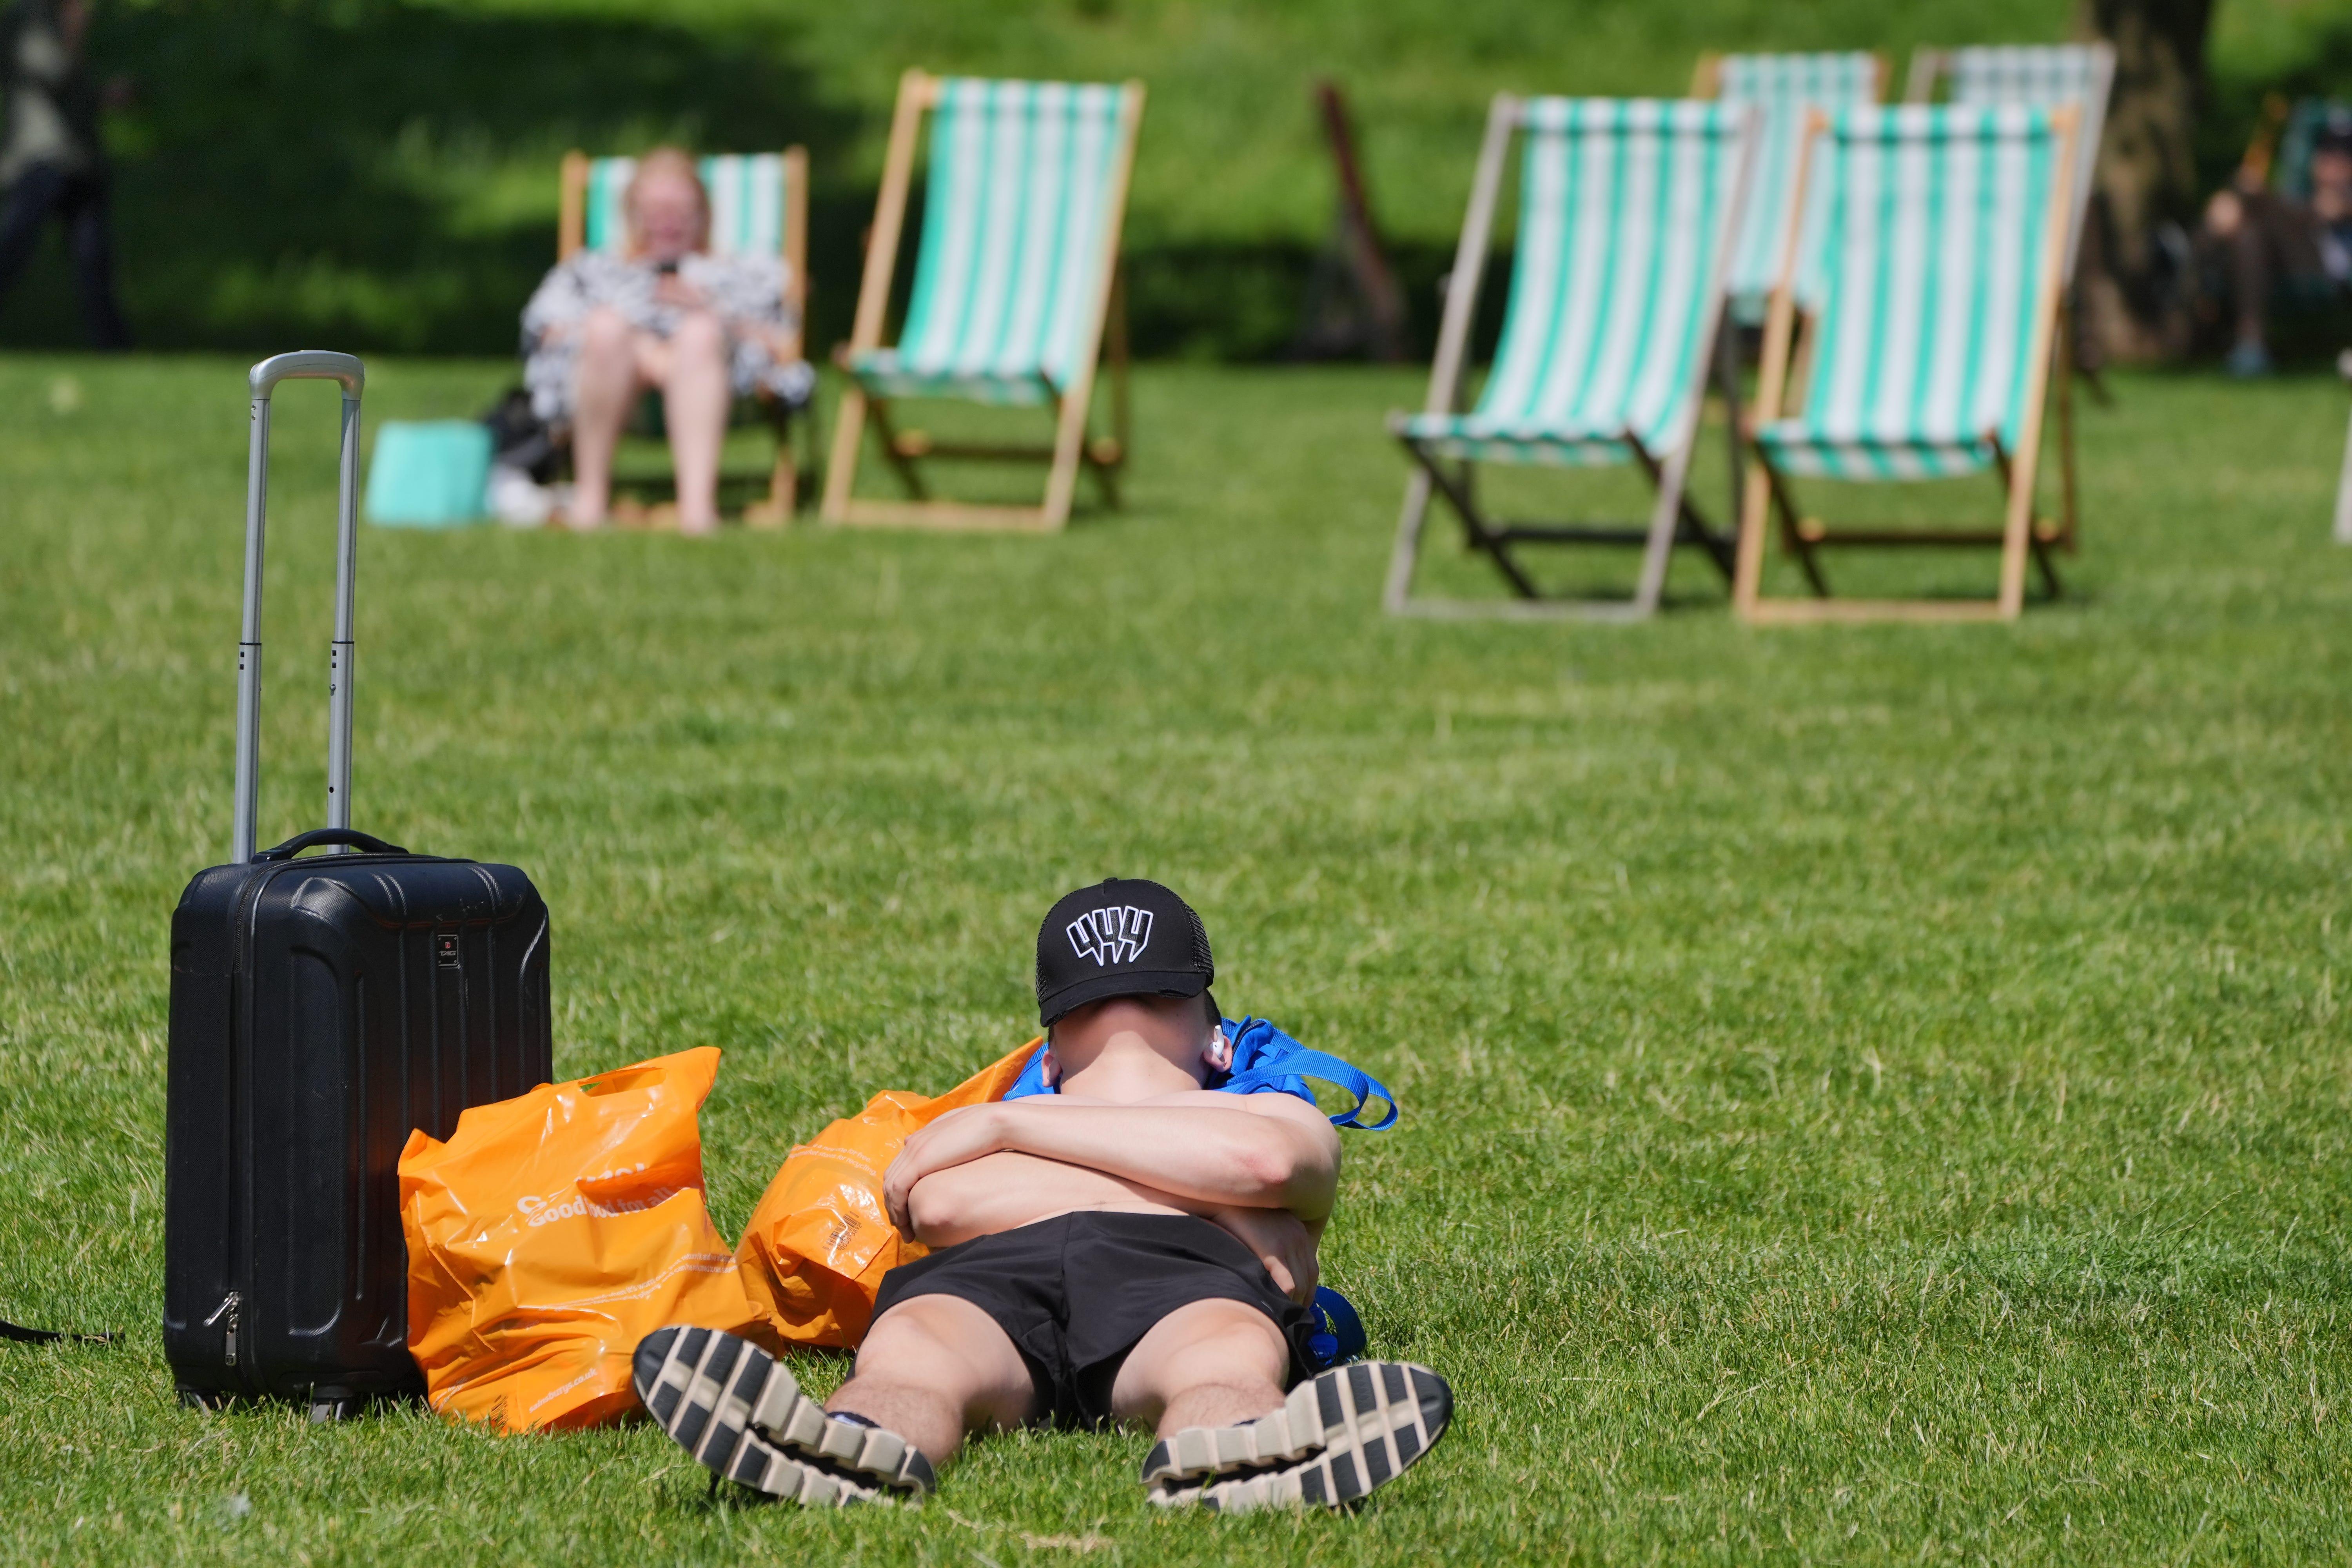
<point x="1211" y="1149"/>
<point x="1001" y="1192"/>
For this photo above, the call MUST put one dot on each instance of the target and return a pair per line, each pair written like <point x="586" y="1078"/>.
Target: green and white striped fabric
<point x="2045" y="76"/>
<point x="1625" y="220"/>
<point x="1783" y="86"/>
<point x="2042" y="75"/>
<point x="2292" y="172"/>
<point x="747" y="203"/>
<point x="1931" y="266"/>
<point x="1010" y="269"/>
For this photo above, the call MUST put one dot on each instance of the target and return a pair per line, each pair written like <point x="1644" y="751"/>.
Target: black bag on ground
<point x="320" y="1009"/>
<point x="520" y="438"/>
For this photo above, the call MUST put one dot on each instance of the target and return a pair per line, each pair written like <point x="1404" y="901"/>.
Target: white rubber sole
<point x="1339" y="1435"/>
<point x="738" y="1410"/>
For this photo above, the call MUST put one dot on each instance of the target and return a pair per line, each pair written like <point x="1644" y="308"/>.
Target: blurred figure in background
<point x="50" y="161"/>
<point x="702" y="329"/>
<point x="2258" y="247"/>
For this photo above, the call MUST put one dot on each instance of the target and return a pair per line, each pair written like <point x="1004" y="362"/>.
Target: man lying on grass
<point x="1129" y="1246"/>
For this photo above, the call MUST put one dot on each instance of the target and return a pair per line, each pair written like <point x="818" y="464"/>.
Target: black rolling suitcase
<point x="322" y="1008"/>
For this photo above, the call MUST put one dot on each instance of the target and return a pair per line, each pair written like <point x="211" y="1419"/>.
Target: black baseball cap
<point x="2334" y="133"/>
<point x="1122" y="937"/>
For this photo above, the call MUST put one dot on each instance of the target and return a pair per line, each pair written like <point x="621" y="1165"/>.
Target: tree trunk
<point x="2146" y="172"/>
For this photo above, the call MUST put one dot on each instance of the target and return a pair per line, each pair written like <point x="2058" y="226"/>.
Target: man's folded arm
<point x="1276" y="1157"/>
<point x="1001" y="1192"/>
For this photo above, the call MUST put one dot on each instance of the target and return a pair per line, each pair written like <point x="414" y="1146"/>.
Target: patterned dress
<point x="738" y="287"/>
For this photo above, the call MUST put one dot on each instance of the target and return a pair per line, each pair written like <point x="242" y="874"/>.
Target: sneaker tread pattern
<point x="711" y="1392"/>
<point x="1338" y="1436"/>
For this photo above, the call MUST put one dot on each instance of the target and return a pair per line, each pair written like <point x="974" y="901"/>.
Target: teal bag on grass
<point x="429" y="473"/>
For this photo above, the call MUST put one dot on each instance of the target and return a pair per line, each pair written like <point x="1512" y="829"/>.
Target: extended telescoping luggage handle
<point x="304" y="364"/>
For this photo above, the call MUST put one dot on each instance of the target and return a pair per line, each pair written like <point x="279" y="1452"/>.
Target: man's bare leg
<point x="1211" y="1363"/>
<point x="934" y="1368"/>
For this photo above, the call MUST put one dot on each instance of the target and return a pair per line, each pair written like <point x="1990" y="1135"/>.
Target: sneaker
<point x="1338" y="1435"/>
<point x="737" y="1411"/>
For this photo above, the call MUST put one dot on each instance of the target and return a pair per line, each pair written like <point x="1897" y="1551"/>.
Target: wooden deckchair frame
<point x="1930" y="66"/>
<point x="2022" y="534"/>
<point x="1673" y="519"/>
<point x="2260" y="168"/>
<point x="1103" y="336"/>
<point x="784" y="475"/>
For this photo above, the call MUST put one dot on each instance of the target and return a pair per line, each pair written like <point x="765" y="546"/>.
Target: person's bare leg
<point x="604" y="387"/>
<point x="696" y="395"/>
<point x="932" y="1369"/>
<point x="2250" y="269"/>
<point x="1210" y="1363"/>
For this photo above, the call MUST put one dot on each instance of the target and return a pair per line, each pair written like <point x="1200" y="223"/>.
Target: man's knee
<point x="924" y="1328"/>
<point x="2224" y="213"/>
<point x="946" y="1345"/>
<point x="1216" y="1344"/>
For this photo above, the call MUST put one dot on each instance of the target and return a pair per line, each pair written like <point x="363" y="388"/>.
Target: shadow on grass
<point x="380" y="174"/>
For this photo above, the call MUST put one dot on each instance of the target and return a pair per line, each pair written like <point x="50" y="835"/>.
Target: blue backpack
<point x="1267" y="1060"/>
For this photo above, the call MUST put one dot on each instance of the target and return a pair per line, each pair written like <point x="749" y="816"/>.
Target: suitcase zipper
<point x="227" y="1308"/>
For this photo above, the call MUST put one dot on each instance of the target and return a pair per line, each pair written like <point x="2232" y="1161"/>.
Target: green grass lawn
<point x="1871" y="1094"/>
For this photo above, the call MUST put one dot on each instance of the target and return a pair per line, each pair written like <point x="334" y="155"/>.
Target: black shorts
<point x="1075" y="1293"/>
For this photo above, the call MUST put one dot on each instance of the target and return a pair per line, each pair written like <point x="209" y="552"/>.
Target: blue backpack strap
<point x="1265" y="1059"/>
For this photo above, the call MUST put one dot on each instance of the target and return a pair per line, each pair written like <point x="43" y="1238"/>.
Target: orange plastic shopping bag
<point x="555" y="1230"/>
<point x="819" y="1243"/>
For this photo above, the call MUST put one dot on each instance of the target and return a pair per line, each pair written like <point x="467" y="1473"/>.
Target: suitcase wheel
<point x="333" y="1404"/>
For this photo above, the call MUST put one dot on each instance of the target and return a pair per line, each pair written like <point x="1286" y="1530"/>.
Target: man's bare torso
<point x="1005" y="1190"/>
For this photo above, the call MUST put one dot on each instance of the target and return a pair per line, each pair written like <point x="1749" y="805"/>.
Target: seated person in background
<point x="1130" y="1248"/>
<point x="2258" y="244"/>
<point x="702" y="329"/>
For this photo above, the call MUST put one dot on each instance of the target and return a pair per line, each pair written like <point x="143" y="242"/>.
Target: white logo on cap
<point x="1113" y="935"/>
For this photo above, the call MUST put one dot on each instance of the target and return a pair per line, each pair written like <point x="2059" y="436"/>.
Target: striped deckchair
<point x="1784" y="87"/>
<point x="2040" y="76"/>
<point x="758" y="206"/>
<point x="1016" y="279"/>
<point x="2278" y="155"/>
<point x="1940" y="255"/>
<point x="1627" y="210"/>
